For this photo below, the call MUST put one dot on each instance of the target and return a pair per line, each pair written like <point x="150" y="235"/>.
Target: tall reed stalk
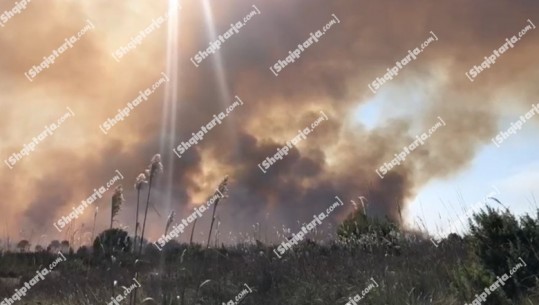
<point x="93" y="229"/>
<point x="117" y="200"/>
<point x="221" y="190"/>
<point x="192" y="232"/>
<point x="139" y="183"/>
<point x="155" y="167"/>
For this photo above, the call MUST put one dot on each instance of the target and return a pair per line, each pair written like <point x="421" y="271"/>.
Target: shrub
<point x="367" y="231"/>
<point x="499" y="241"/>
<point x="112" y="241"/>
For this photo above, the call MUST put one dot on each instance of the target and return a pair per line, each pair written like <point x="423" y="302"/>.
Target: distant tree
<point x="38" y="248"/>
<point x="54" y="246"/>
<point x="64" y="246"/>
<point x="112" y="241"/>
<point x="23" y="246"/>
<point x="83" y="251"/>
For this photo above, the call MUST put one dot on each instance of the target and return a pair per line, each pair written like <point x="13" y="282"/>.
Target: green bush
<point x="498" y="242"/>
<point x="111" y="242"/>
<point x="362" y="228"/>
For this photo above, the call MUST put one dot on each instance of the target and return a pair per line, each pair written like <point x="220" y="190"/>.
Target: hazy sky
<point x="364" y="129"/>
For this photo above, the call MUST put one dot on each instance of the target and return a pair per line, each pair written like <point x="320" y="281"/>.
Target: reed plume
<point x="221" y="190"/>
<point x="139" y="183"/>
<point x="170" y="220"/>
<point x="93" y="229"/>
<point x="154" y="168"/>
<point x="117" y="200"/>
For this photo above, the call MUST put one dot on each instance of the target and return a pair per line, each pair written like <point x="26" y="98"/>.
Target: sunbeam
<point x="220" y="75"/>
<point x="168" y="122"/>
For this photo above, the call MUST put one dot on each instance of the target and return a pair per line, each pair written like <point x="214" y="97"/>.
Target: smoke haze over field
<point x="337" y="159"/>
